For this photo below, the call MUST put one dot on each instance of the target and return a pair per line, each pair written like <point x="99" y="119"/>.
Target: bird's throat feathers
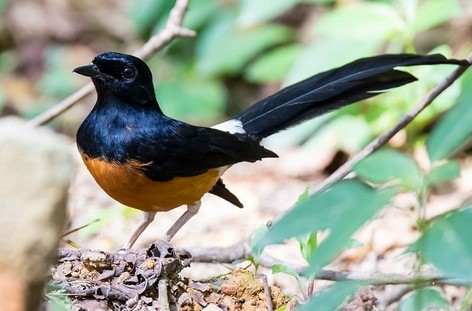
<point x="112" y="126"/>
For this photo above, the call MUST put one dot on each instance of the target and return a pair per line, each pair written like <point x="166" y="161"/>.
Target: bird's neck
<point x="112" y="125"/>
<point x="127" y="102"/>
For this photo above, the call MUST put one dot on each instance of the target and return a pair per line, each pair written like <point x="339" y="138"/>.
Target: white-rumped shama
<point x="149" y="161"/>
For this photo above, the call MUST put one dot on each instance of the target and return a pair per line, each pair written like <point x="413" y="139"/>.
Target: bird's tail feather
<point x="332" y="89"/>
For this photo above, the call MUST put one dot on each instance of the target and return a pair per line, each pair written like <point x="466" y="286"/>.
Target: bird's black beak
<point x="90" y="70"/>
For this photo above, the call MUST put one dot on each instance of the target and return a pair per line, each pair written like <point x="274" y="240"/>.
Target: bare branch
<point x="163" y="296"/>
<point x="267" y="292"/>
<point x="173" y="29"/>
<point x="242" y="250"/>
<point x="238" y="251"/>
<point x="417" y="279"/>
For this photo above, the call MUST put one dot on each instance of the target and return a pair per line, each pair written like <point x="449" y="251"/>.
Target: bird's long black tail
<point x="332" y="89"/>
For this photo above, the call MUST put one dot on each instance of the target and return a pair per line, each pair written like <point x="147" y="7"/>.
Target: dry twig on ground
<point x="240" y="251"/>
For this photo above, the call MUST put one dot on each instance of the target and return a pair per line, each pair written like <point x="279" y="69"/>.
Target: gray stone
<point x="36" y="167"/>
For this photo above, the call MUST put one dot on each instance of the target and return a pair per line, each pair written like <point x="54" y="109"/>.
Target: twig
<point x="163" y="297"/>
<point x="173" y="29"/>
<point x="268" y="296"/>
<point x="229" y="254"/>
<point x="419" y="279"/>
<point x="346" y="168"/>
<point x="242" y="250"/>
<point x="78" y="228"/>
<point x="311" y="287"/>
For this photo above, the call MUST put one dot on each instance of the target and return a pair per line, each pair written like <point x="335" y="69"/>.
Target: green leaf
<point x="435" y="12"/>
<point x="425" y="299"/>
<point x="305" y="195"/>
<point x="373" y="20"/>
<point x="286" y="270"/>
<point x="342" y="209"/>
<point x="274" y="65"/>
<point x="308" y="244"/>
<point x="366" y="202"/>
<point x="224" y="48"/>
<point x="446" y="244"/>
<point x="388" y="165"/>
<point x="444" y="172"/>
<point x="455" y="128"/>
<point x="332" y="297"/>
<point x="256" y="236"/>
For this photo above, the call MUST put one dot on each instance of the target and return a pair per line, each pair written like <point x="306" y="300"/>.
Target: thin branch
<point x="242" y="250"/>
<point x="173" y="29"/>
<point x="346" y="168"/>
<point x="229" y="254"/>
<point x="163" y="296"/>
<point x="418" y="279"/>
<point x="69" y="232"/>
<point x="267" y="292"/>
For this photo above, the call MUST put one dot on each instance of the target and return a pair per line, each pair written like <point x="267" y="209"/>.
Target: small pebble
<point x="229" y="289"/>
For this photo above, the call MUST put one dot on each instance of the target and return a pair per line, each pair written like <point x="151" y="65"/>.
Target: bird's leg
<point x="192" y="210"/>
<point x="148" y="218"/>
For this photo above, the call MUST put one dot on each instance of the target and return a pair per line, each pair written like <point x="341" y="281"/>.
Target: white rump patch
<point x="232" y="126"/>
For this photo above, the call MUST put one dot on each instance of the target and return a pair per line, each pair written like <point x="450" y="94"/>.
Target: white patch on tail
<point x="232" y="126"/>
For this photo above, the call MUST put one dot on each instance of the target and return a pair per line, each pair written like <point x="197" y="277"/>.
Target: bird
<point x="149" y="161"/>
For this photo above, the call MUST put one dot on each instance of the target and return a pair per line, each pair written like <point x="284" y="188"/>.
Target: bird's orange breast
<point x="129" y="186"/>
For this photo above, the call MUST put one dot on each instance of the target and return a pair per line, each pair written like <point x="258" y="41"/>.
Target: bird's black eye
<point x="128" y="72"/>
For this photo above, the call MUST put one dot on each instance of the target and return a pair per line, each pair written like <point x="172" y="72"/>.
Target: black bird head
<point x="121" y="76"/>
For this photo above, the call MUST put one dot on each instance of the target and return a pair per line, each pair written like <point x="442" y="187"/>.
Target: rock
<point x="36" y="168"/>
